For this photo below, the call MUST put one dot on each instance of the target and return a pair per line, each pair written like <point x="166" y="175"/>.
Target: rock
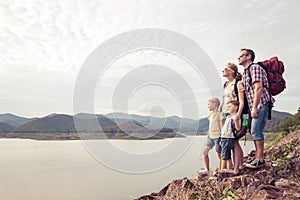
<point x="278" y="179"/>
<point x="261" y="175"/>
<point x="246" y="180"/>
<point x="251" y="154"/>
<point x="284" y="173"/>
<point x="202" y="175"/>
<point x="266" y="192"/>
<point x="269" y="180"/>
<point x="259" y="195"/>
<point x="147" y="197"/>
<point x="225" y="174"/>
<point x="184" y="185"/>
<point x="295" y="165"/>
<point x="250" y="190"/>
<point x="291" y="195"/>
<point x="226" y="184"/>
<point x="282" y="183"/>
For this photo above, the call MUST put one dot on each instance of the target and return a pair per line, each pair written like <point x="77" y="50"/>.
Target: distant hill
<point x="90" y="124"/>
<point x="276" y="116"/>
<point x="14" y="120"/>
<point x="59" y="123"/>
<point x="131" y="127"/>
<point x="280" y="115"/>
<point x="114" y="124"/>
<point x="172" y="122"/>
<point x="198" y="127"/>
<point x="5" y="128"/>
<point x="136" y="127"/>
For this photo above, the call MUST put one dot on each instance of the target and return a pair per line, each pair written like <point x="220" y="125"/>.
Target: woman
<point x="234" y="90"/>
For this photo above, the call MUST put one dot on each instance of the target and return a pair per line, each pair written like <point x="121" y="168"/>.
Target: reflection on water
<point x="64" y="170"/>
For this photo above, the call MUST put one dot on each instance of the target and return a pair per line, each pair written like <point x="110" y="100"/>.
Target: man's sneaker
<point x="255" y="164"/>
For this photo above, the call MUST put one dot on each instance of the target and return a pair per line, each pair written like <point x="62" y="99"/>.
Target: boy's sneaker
<point x="216" y="173"/>
<point x="203" y="172"/>
<point x="256" y="164"/>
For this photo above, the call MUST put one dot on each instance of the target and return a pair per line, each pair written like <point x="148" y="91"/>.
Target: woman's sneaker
<point x="255" y="164"/>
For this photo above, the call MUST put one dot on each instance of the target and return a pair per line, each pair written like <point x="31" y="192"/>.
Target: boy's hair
<point x="215" y="101"/>
<point x="250" y="52"/>
<point x="234" y="102"/>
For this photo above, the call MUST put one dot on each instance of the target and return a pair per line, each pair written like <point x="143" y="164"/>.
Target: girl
<point x="215" y="118"/>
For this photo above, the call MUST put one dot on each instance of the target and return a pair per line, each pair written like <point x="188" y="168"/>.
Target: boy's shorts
<point x="212" y="142"/>
<point x="227" y="146"/>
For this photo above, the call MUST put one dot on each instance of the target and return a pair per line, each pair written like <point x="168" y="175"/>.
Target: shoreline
<point x="93" y="136"/>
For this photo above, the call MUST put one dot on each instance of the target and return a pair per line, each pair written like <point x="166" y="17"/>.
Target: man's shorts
<point x="212" y="142"/>
<point x="258" y="125"/>
<point x="227" y="146"/>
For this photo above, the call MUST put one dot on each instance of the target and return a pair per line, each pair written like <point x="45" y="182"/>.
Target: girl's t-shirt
<point x="214" y="130"/>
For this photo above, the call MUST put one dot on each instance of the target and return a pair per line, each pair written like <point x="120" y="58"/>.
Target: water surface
<point x="64" y="170"/>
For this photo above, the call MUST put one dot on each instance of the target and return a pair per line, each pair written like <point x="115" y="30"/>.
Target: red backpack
<point x="274" y="69"/>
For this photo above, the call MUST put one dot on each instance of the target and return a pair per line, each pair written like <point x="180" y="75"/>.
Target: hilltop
<point x="278" y="179"/>
<point x="80" y="126"/>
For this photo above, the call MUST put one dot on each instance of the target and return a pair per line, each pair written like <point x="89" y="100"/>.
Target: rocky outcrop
<point x="278" y="179"/>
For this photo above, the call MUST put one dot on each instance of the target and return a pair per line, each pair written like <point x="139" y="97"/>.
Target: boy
<point x="227" y="134"/>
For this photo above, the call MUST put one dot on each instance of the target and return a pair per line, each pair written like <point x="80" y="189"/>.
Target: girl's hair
<point x="234" y="102"/>
<point x="215" y="101"/>
<point x="236" y="73"/>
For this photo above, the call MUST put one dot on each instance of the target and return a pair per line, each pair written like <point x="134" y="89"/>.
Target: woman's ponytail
<point x="238" y="76"/>
<point x="234" y="68"/>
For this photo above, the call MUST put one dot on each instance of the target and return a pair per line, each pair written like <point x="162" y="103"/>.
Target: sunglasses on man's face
<point x="243" y="55"/>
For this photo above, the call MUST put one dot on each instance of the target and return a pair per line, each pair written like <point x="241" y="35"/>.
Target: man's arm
<point x="258" y="88"/>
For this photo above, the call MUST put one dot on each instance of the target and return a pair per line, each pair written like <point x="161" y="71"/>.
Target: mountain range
<point x="112" y="124"/>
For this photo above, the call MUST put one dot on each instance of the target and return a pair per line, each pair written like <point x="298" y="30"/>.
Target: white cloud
<point x="55" y="37"/>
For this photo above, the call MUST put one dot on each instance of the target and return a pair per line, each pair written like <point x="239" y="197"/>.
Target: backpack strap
<point x="236" y="89"/>
<point x="249" y="74"/>
<point x="225" y="84"/>
<point x="234" y="131"/>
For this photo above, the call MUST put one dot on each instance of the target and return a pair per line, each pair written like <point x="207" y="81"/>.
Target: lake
<point x="71" y="170"/>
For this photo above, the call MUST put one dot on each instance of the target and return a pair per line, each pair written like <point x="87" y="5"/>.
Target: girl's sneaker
<point x="203" y="172"/>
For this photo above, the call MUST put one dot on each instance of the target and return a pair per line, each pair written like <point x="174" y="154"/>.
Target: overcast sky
<point x="44" y="44"/>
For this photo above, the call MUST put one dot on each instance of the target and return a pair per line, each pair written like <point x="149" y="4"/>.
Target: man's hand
<point x="254" y="113"/>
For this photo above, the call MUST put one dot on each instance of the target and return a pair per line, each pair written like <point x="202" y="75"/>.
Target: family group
<point x="245" y="95"/>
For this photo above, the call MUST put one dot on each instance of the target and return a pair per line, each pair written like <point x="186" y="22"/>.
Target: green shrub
<point x="229" y="193"/>
<point x="290" y="124"/>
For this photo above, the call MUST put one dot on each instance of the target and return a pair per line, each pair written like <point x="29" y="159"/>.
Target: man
<point x="259" y="100"/>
